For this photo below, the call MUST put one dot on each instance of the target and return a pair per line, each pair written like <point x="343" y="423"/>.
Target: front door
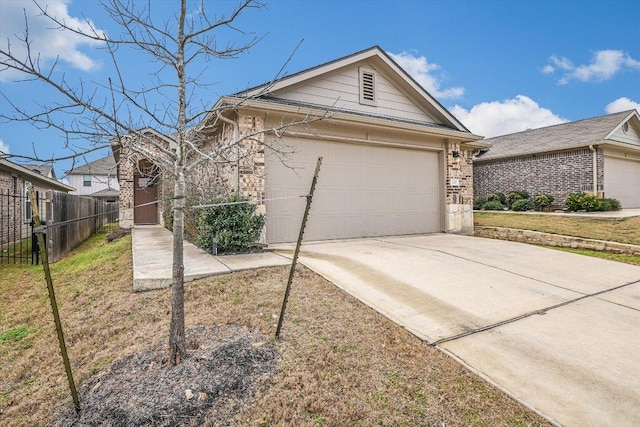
<point x="145" y="199"/>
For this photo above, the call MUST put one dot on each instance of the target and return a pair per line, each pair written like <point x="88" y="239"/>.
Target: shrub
<point x="478" y="202"/>
<point x="512" y="197"/>
<point x="499" y="197"/>
<point x="234" y="226"/>
<point x="493" y="205"/>
<point x="583" y="201"/>
<point x="610" y="205"/>
<point x="522" y="205"/>
<point x="542" y="201"/>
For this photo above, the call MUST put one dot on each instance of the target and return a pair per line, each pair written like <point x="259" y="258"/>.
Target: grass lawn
<point x="625" y="230"/>
<point x="341" y="363"/>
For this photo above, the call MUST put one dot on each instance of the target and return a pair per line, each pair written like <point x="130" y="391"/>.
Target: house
<point x="97" y="179"/>
<point x="395" y="161"/>
<point x="15" y="205"/>
<point x="600" y="155"/>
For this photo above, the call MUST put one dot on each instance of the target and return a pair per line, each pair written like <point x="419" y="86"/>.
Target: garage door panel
<point x="362" y="191"/>
<point x="622" y="181"/>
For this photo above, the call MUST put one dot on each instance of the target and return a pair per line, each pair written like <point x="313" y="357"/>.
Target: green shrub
<point x="235" y="226"/>
<point x="610" y="205"/>
<point x="499" y="197"/>
<point x="522" y="205"/>
<point x="493" y="205"/>
<point x="582" y="201"/>
<point x="512" y="197"/>
<point x="542" y="201"/>
<point x="478" y="202"/>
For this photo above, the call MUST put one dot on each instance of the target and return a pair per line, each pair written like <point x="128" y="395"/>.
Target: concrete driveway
<point x="560" y="332"/>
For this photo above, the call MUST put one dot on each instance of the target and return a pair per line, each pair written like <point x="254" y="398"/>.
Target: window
<point x="86" y="180"/>
<point x="367" y="86"/>
<point x="15" y="185"/>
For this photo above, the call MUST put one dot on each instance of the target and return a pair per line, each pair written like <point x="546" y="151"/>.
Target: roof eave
<point x="463" y="137"/>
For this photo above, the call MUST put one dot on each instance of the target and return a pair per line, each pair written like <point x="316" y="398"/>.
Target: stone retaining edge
<point x="548" y="239"/>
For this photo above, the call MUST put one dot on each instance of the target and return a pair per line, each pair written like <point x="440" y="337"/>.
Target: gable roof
<point x="565" y="136"/>
<point x="103" y="166"/>
<point x="374" y="55"/>
<point x="44" y="170"/>
<point x="31" y="175"/>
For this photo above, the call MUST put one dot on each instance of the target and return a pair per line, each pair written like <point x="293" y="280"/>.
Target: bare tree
<point x="94" y="115"/>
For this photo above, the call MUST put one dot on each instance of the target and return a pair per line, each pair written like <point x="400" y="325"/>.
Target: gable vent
<point x="367" y="87"/>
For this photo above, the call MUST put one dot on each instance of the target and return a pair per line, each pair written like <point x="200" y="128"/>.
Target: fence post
<point x="297" y="251"/>
<point x="52" y="297"/>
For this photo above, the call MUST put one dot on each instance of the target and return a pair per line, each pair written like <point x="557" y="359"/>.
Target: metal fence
<point x="68" y="219"/>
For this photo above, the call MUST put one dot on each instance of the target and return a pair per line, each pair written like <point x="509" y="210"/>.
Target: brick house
<point x="395" y="161"/>
<point x="600" y="155"/>
<point x="15" y="207"/>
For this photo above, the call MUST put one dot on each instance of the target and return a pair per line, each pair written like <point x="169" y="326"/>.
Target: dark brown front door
<point x="145" y="196"/>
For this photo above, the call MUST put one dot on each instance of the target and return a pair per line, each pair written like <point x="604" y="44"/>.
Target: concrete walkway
<point x="558" y="331"/>
<point x="152" y="259"/>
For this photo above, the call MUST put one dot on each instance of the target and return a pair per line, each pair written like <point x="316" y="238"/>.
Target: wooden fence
<point x="69" y="220"/>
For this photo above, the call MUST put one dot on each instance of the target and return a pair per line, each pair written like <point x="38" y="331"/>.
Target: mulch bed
<point x="224" y="368"/>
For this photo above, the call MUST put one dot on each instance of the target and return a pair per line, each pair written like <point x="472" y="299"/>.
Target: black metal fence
<point x="68" y="219"/>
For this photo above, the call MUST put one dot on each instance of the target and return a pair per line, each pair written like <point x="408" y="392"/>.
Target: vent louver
<point x="367" y="87"/>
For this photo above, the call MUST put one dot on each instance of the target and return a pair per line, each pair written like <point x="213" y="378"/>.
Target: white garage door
<point x="362" y="191"/>
<point x="622" y="181"/>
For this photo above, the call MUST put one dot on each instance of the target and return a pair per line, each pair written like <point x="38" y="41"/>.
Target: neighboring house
<point x="395" y="161"/>
<point x="97" y="179"/>
<point x="600" y="155"/>
<point x="15" y="205"/>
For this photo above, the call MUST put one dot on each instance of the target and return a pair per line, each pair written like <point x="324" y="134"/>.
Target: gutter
<point x="236" y="133"/>
<point x="594" y="155"/>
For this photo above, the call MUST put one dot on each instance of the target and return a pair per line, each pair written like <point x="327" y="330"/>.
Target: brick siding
<point x="557" y="174"/>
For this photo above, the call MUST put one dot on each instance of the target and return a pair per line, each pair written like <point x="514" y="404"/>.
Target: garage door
<point x="362" y="191"/>
<point x="622" y="181"/>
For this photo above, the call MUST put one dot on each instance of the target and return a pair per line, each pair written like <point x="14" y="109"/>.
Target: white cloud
<point x="503" y="117"/>
<point x="425" y="74"/>
<point x="47" y="43"/>
<point x="4" y="148"/>
<point x="622" y="104"/>
<point x="603" y="66"/>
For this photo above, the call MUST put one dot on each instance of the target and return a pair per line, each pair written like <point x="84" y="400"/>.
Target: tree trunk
<point x="177" y="348"/>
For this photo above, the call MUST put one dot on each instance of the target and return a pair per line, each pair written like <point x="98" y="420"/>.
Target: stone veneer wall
<point x="557" y="174"/>
<point x="459" y="190"/>
<point x="539" y="238"/>
<point x="127" y="168"/>
<point x="12" y="208"/>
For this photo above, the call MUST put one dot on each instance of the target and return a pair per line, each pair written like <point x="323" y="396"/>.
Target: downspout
<point x="594" y="155"/>
<point x="236" y="135"/>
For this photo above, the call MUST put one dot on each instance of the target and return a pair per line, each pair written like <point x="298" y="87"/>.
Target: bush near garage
<point x="521" y="205"/>
<point x="542" y="201"/>
<point x="493" y="205"/>
<point x="500" y="197"/>
<point x="512" y="196"/>
<point x="583" y="202"/>
<point x="478" y="202"/>
<point x="610" y="205"/>
<point x="235" y="227"/>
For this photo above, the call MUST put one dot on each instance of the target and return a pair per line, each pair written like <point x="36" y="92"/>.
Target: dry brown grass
<point x="615" y="230"/>
<point x="341" y="363"/>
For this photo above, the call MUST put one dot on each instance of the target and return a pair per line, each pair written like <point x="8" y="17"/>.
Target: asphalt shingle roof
<point x="580" y="133"/>
<point x="103" y="166"/>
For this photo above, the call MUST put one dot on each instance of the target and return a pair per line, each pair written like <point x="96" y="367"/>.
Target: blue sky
<point x="499" y="66"/>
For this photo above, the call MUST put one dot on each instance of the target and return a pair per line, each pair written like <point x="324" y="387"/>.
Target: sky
<point x="499" y="66"/>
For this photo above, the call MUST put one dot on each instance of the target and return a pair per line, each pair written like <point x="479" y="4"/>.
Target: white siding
<point x="98" y="183"/>
<point x="340" y="89"/>
<point x="631" y="136"/>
